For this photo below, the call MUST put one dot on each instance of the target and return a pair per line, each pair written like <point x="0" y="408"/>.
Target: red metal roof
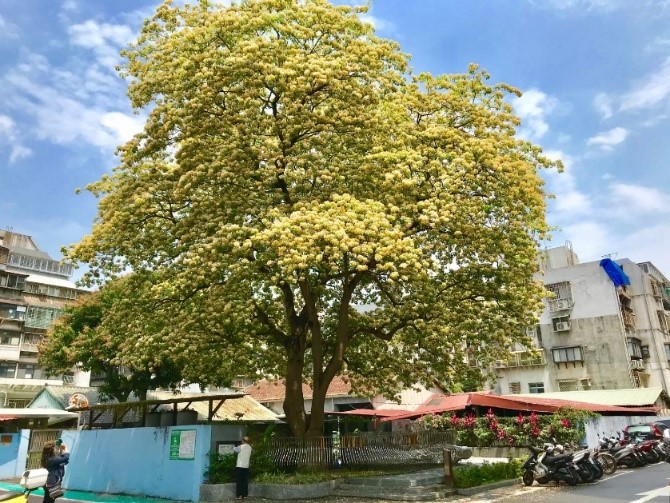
<point x="439" y="404"/>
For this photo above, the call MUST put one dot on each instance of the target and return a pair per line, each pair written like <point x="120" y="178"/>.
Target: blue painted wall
<point x="135" y="461"/>
<point x="13" y="453"/>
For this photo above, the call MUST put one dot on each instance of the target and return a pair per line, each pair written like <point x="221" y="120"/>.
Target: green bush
<point x="565" y="425"/>
<point x="221" y="469"/>
<point x="471" y="475"/>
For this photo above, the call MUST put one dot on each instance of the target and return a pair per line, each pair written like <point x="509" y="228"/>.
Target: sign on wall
<point x="182" y="444"/>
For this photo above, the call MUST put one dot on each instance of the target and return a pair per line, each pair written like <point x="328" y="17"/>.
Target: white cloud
<point x="103" y="38"/>
<point x="603" y="105"/>
<point x="6" y="126"/>
<point x="532" y="108"/>
<point x="122" y="126"/>
<point x="70" y="5"/>
<point x="19" y="152"/>
<point x="648" y="244"/>
<point x="378" y="23"/>
<point x="637" y="198"/>
<point x="7" y="29"/>
<point x="569" y="201"/>
<point x="588" y="239"/>
<point x="650" y="91"/>
<point x="9" y="135"/>
<point x="585" y="6"/>
<point x="608" y="139"/>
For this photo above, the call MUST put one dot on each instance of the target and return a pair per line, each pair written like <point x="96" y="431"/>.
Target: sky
<point x="595" y="77"/>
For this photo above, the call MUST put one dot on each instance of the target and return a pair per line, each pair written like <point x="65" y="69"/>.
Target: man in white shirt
<point x="242" y="468"/>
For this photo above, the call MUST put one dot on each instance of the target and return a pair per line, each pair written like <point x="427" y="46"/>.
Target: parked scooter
<point x="623" y="454"/>
<point x="588" y="468"/>
<point x="31" y="480"/>
<point x="545" y="466"/>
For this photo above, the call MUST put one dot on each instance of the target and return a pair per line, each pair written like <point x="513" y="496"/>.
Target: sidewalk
<point x="86" y="496"/>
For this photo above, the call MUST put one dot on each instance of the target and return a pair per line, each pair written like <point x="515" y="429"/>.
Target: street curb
<point x="469" y="491"/>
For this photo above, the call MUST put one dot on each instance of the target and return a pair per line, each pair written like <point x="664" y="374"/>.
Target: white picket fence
<point x="612" y="425"/>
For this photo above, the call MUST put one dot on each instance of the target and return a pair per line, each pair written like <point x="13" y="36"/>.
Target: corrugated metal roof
<point x="242" y="408"/>
<point x="50" y="280"/>
<point x="457" y="402"/>
<point x="634" y="397"/>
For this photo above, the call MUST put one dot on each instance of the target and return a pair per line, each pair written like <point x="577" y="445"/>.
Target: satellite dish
<point x="78" y="400"/>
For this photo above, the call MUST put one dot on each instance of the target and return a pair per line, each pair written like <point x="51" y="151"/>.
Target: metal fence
<point x="362" y="449"/>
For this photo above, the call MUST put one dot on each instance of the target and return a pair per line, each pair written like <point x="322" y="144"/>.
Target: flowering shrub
<point x="565" y="425"/>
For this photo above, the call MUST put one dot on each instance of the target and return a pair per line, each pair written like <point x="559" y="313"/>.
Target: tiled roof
<point x="274" y="391"/>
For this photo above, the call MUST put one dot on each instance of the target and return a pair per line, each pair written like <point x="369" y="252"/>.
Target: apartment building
<point x="605" y="327"/>
<point x="34" y="288"/>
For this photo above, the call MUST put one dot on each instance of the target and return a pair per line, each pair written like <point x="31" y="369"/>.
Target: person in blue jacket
<point x="54" y="459"/>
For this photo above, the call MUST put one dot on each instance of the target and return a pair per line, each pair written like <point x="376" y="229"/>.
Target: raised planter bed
<point x="219" y="492"/>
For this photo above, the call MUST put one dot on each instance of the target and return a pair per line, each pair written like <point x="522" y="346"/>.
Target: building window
<point x="9" y="338"/>
<point x="27" y="371"/>
<point x="8" y="370"/>
<point x="560" y="290"/>
<point x="645" y="352"/>
<point x="13" y="281"/>
<point x="535" y="387"/>
<point x="568" y="385"/>
<point x="663" y="321"/>
<point x="562" y="299"/>
<point x="567" y="354"/>
<point x="634" y="348"/>
<point x="515" y="388"/>
<point x="667" y="351"/>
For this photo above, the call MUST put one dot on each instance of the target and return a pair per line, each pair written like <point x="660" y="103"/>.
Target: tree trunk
<point x="317" y="415"/>
<point x="294" y="401"/>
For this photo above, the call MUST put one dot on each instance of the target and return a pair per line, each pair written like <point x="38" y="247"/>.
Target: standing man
<point x="242" y="468"/>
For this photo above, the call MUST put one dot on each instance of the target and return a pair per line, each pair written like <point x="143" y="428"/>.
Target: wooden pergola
<point x="145" y="407"/>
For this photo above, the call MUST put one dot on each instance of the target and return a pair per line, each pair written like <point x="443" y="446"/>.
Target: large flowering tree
<point x="301" y="205"/>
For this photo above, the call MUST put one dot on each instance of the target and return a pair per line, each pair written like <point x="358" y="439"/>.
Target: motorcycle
<point x="624" y="454"/>
<point x="545" y="466"/>
<point x="31" y="480"/>
<point x="588" y="467"/>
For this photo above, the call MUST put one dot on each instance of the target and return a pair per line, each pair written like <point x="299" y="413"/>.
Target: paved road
<point x="642" y="485"/>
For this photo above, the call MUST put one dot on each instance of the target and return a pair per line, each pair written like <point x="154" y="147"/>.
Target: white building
<point x="34" y="288"/>
<point x="595" y="333"/>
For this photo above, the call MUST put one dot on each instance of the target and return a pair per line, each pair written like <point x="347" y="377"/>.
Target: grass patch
<point x="471" y="475"/>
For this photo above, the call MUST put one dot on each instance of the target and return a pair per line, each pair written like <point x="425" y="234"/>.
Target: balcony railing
<point x="523" y="359"/>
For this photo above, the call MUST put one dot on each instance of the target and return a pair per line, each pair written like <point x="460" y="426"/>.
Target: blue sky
<point x="595" y="76"/>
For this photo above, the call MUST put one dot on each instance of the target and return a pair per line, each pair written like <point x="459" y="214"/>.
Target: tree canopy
<point x="87" y="337"/>
<point x="301" y="205"/>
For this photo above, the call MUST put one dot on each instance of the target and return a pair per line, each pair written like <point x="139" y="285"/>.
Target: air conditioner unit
<point x="500" y="364"/>
<point x="637" y="364"/>
<point x="563" y="304"/>
<point x="562" y="326"/>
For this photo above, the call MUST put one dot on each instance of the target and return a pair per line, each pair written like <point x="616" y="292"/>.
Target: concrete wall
<point x="612" y="425"/>
<point x="135" y="461"/>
